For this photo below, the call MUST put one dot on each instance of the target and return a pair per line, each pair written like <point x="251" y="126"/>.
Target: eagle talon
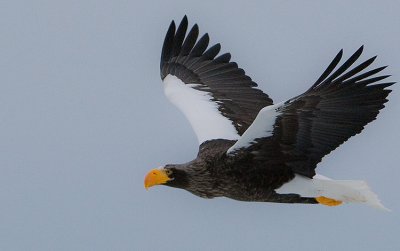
<point x="328" y="201"/>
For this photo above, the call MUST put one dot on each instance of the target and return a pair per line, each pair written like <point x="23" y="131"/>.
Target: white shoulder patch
<point x="203" y="114"/>
<point x="263" y="126"/>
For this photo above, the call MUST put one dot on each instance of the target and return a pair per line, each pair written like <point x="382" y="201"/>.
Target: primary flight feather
<point x="253" y="150"/>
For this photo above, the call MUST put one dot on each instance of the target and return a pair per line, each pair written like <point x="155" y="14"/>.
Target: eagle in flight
<point x="251" y="149"/>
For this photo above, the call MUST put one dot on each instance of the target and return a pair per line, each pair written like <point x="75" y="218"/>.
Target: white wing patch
<point x="263" y="126"/>
<point x="203" y="114"/>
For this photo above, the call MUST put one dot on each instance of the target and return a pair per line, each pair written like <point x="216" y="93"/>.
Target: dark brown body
<point x="241" y="177"/>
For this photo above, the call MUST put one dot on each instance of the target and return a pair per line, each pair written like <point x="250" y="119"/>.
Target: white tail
<point x="349" y="191"/>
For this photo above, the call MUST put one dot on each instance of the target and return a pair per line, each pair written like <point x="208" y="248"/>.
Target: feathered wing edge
<point x="340" y="79"/>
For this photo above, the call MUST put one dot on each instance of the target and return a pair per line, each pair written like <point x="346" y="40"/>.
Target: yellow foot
<point x="328" y="201"/>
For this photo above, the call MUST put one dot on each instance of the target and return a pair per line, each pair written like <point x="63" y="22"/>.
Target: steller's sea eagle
<point x="253" y="150"/>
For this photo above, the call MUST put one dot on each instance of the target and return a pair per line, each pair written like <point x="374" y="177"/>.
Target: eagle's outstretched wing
<point x="217" y="97"/>
<point x="306" y="128"/>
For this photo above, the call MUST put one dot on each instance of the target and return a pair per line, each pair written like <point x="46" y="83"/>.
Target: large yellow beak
<point x="155" y="177"/>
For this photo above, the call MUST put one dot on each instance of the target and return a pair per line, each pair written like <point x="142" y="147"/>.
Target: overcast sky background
<point x="83" y="118"/>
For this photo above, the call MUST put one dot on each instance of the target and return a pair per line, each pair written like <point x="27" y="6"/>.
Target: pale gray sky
<point x="83" y="118"/>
